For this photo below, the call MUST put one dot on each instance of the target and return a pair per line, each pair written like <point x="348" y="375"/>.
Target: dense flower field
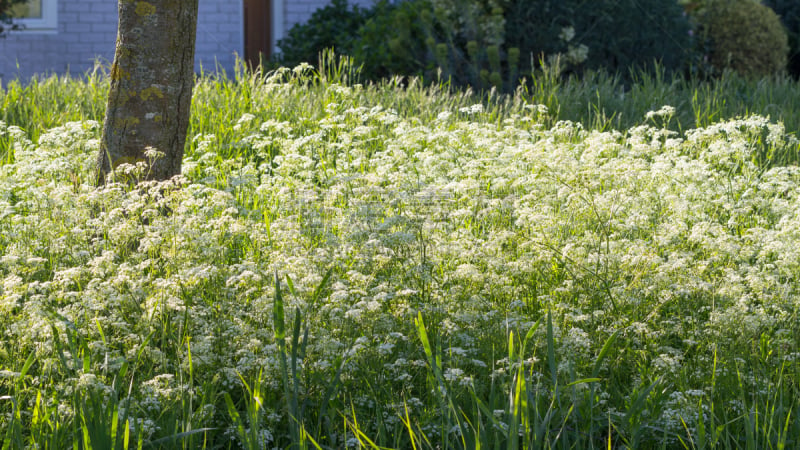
<point x="462" y="275"/>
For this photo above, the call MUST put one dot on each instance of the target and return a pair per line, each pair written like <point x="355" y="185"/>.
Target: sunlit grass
<point x="402" y="266"/>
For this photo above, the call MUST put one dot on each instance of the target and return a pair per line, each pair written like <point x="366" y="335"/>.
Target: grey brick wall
<point x="220" y="34"/>
<point x="87" y="32"/>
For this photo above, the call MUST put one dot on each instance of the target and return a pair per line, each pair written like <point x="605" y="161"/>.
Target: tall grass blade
<point x="551" y="352"/>
<point x="277" y="313"/>
<point x="603" y="353"/>
<point x="237" y="419"/>
<point x="315" y="297"/>
<point x="165" y="441"/>
<point x="297" y="351"/>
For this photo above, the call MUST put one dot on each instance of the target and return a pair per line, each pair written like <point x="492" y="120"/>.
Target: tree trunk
<point x="151" y="86"/>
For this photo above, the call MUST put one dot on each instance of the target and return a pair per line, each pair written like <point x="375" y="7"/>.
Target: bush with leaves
<point x="489" y="43"/>
<point x="6" y="15"/>
<point x="334" y="26"/>
<point x="456" y="40"/>
<point x="744" y="36"/>
<point x="471" y="42"/>
<point x="6" y="5"/>
<point x="789" y="13"/>
<point x="611" y="34"/>
<point x="393" y="40"/>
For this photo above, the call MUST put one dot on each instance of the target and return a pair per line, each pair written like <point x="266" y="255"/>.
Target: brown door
<point x="257" y="31"/>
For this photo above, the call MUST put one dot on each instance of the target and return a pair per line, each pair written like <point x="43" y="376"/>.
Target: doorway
<point x="257" y="31"/>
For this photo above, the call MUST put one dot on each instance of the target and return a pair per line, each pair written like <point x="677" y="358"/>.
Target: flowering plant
<point x="432" y="254"/>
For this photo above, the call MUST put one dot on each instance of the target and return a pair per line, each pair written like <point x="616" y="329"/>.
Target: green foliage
<point x="459" y="41"/>
<point x="789" y="13"/>
<point x="474" y="33"/>
<point x="745" y="36"/>
<point x="611" y="34"/>
<point x="6" y="5"/>
<point x="333" y="26"/>
<point x="490" y="43"/>
<point x="395" y="40"/>
<point x="6" y="14"/>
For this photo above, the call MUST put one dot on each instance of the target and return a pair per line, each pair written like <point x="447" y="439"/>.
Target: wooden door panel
<point x="257" y="30"/>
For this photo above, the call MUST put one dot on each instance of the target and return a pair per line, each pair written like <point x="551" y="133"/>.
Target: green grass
<point x="405" y="266"/>
<point x="598" y="100"/>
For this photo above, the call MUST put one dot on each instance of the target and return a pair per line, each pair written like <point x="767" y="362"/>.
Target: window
<point x="37" y="15"/>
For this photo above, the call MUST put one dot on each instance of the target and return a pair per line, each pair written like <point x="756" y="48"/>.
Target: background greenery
<point x="789" y="12"/>
<point x="5" y="5"/>
<point x="486" y="43"/>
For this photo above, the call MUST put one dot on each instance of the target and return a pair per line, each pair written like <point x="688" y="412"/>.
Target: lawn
<point x="580" y="265"/>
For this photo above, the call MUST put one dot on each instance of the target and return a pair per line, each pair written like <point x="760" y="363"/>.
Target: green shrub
<point x="745" y="36"/>
<point x="473" y="33"/>
<point x="334" y="26"/>
<point x="7" y="12"/>
<point x="454" y="40"/>
<point x="6" y="5"/>
<point x="611" y="34"/>
<point x="490" y="43"/>
<point x="789" y="13"/>
<point x="394" y="40"/>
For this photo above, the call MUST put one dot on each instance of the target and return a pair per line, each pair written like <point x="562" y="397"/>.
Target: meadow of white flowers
<point x="683" y="247"/>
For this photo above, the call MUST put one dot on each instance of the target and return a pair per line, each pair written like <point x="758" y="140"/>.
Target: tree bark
<point x="151" y="86"/>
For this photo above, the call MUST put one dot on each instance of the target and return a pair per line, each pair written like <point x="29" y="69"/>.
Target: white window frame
<point x="48" y="23"/>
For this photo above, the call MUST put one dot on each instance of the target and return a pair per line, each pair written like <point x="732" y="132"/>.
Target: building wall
<point x="87" y="31"/>
<point x="220" y="34"/>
